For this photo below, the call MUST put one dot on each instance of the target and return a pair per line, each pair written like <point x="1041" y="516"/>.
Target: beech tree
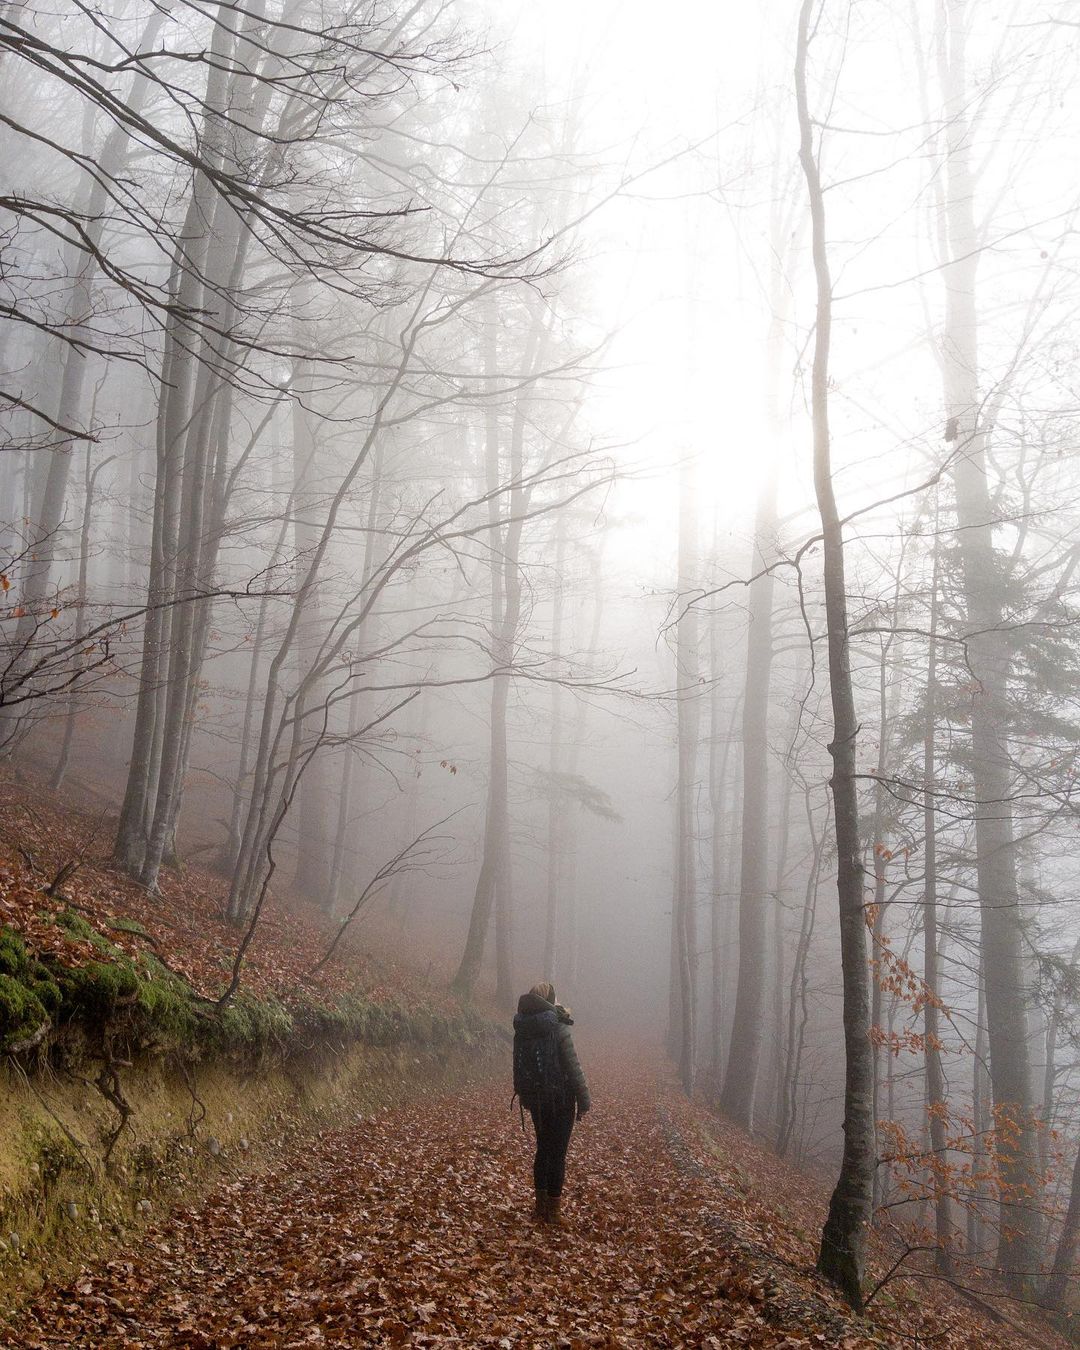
<point x="844" y="1237"/>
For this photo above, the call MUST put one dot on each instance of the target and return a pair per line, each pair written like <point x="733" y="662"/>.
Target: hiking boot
<point x="553" y="1217"/>
<point x="540" y="1212"/>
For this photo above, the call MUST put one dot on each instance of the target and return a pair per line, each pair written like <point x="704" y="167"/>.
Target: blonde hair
<point x="545" y="989"/>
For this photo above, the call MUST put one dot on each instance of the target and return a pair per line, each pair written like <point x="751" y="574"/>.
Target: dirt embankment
<point x="78" y="1174"/>
<point x="127" y="1079"/>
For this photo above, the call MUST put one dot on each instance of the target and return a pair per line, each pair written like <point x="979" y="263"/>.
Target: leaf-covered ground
<point x="183" y="925"/>
<point x="413" y="1228"/>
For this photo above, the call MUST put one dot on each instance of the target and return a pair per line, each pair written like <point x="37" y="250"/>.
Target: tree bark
<point x="688" y="719"/>
<point x="936" y="1101"/>
<point x="798" y="1010"/>
<point x="89" y="480"/>
<point x="842" y="1256"/>
<point x="748" y="1027"/>
<point x="1057" y="1283"/>
<point x="556" y="811"/>
<point x="982" y="581"/>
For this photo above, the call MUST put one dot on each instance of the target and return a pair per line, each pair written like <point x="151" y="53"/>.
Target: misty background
<point x="408" y="511"/>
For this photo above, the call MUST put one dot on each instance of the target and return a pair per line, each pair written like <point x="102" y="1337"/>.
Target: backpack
<point x="539" y="1077"/>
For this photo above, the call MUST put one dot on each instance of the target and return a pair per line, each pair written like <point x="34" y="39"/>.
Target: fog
<point x="420" y="429"/>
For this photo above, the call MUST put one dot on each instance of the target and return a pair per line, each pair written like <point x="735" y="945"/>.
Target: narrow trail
<point x="413" y="1228"/>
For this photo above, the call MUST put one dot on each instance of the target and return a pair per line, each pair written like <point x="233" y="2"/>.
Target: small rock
<point x="244" y="1145"/>
<point x="214" y="1145"/>
<point x="228" y="1117"/>
<point x="14" y="1240"/>
<point x="143" y="1206"/>
<point x="71" y="1209"/>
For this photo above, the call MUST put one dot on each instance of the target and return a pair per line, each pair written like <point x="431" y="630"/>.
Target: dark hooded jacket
<point x="533" y="1006"/>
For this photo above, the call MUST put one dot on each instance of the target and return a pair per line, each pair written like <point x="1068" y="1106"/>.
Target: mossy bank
<point x="124" y="1090"/>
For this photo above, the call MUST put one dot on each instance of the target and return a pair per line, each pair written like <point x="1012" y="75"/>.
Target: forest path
<point x="414" y="1227"/>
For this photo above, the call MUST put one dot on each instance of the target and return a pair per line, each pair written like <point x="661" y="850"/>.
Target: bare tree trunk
<point x="747" y="1032"/>
<point x="983" y="1121"/>
<point x="936" y="1103"/>
<point x="723" y="794"/>
<point x="776" y="1049"/>
<point x="184" y="637"/>
<point x="240" y="794"/>
<point x="493" y="887"/>
<point x="1050" y="1068"/>
<point x="880" y="854"/>
<point x="145" y="792"/>
<point x="505" y="613"/>
<point x="141" y="787"/>
<point x="313" y="847"/>
<point x="555" y="751"/>
<point x="48" y="511"/>
<point x="570" y="909"/>
<point x="1061" y="1272"/>
<point x="89" y="480"/>
<point x="348" y="772"/>
<point x="1003" y="971"/>
<point x="798" y="1010"/>
<point x="688" y="715"/>
<point x="282" y="713"/>
<point x="842" y="1257"/>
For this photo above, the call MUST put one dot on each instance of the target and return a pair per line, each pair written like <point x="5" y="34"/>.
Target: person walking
<point x="550" y="1084"/>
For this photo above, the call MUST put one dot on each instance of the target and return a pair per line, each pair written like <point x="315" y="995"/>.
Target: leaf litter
<point x="413" y="1227"/>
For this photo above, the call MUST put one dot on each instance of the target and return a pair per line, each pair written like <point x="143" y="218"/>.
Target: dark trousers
<point x="553" y="1125"/>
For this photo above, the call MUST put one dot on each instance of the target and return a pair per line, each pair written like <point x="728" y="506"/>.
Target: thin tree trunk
<point x="570" y="909"/>
<point x="798" y="1009"/>
<point x="494" y="880"/>
<point x="48" y="511"/>
<point x="250" y="699"/>
<point x="348" y="772"/>
<point x="688" y="718"/>
<point x="1065" y="1253"/>
<point x="89" y="480"/>
<point x="880" y="854"/>
<point x="776" y="1054"/>
<point x="723" y="793"/>
<point x="936" y="1102"/>
<point x="747" y="1032"/>
<point x="842" y="1257"/>
<point x="555" y="750"/>
<point x="313" y="849"/>
<point x="982" y="1119"/>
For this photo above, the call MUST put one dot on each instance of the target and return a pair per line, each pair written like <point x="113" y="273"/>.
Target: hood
<point x="529" y="1005"/>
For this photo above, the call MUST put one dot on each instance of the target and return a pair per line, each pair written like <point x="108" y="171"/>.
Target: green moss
<point x="29" y="996"/>
<point x="95" y="990"/>
<point x="248" y="1023"/>
<point x="166" y="1004"/>
<point x="44" y="987"/>
<point x="76" y="925"/>
<point x="129" y="926"/>
<point x="143" y="1004"/>
<point x="13" y="958"/>
<point x="21" y="1011"/>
